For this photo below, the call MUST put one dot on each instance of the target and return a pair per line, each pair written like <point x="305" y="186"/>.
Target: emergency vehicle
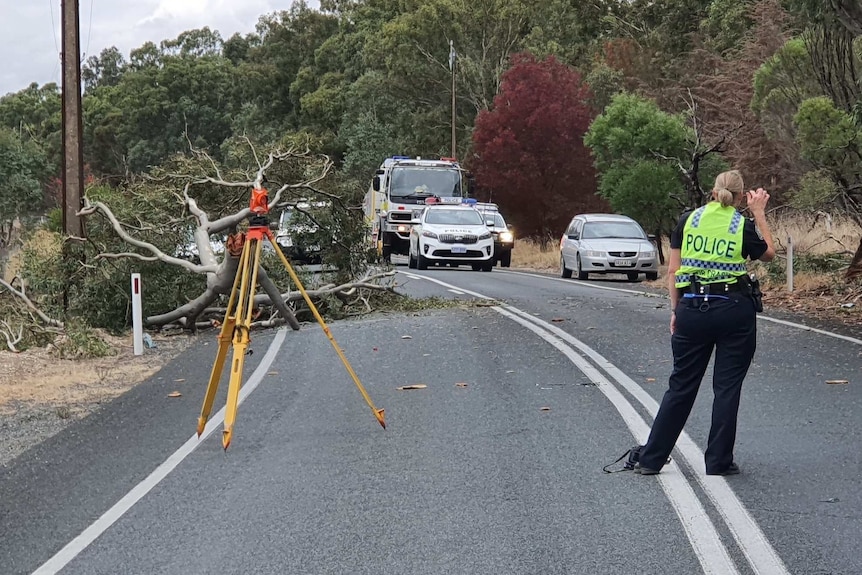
<point x="451" y="234"/>
<point x="504" y="239"/>
<point x="297" y="231"/>
<point x="399" y="189"/>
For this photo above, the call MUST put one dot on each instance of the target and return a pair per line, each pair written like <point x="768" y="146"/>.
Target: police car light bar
<point x="429" y="201"/>
<point x="469" y="201"/>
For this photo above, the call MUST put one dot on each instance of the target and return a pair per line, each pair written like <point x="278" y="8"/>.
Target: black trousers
<point x="729" y="326"/>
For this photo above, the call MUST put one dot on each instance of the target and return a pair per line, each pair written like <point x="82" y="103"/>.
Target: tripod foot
<point x="379" y="415"/>
<point x="202" y="423"/>
<point x="225" y="438"/>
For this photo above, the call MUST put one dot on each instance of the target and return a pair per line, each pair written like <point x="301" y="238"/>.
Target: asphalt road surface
<point x="495" y="467"/>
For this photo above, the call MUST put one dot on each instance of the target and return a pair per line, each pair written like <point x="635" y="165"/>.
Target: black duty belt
<point x="717" y="288"/>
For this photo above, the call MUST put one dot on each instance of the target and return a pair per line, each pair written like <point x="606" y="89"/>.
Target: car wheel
<point x="475" y="267"/>
<point x="488" y="266"/>
<point x="506" y="260"/>
<point x="564" y="271"/>
<point x="632" y="276"/>
<point x="582" y="275"/>
<point x="652" y="276"/>
<point x="421" y="262"/>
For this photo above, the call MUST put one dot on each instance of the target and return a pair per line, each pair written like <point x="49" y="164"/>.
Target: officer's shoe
<point x="645" y="470"/>
<point x="733" y="469"/>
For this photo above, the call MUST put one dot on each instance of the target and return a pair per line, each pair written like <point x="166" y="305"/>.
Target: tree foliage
<point x="529" y="152"/>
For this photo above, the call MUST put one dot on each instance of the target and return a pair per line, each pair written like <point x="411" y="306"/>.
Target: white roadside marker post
<point x="137" y="319"/>
<point x="790" y="264"/>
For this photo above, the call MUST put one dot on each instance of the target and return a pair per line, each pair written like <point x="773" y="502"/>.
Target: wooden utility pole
<point x="73" y="153"/>
<point x="452" y="59"/>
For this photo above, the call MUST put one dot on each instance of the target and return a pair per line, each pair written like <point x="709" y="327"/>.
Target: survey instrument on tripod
<point x="236" y="327"/>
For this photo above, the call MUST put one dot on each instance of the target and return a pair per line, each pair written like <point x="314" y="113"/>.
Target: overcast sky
<point x="30" y="29"/>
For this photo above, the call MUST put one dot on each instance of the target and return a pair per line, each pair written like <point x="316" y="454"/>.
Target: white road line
<point x="754" y="544"/>
<point x="704" y="538"/>
<point x="803" y="327"/>
<point x="456" y="292"/>
<point x="757" y="549"/>
<point x="112" y="515"/>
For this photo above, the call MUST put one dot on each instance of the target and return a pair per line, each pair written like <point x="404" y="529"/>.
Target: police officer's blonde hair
<point x="727" y="185"/>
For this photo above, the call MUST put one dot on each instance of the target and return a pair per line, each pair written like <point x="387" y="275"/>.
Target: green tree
<point x="24" y="168"/>
<point x="638" y="150"/>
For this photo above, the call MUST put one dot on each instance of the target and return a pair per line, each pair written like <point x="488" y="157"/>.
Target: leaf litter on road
<point x="413" y="386"/>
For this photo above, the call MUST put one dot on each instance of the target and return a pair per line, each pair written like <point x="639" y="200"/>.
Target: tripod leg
<point x="244" y="310"/>
<point x="378" y="413"/>
<point x="224" y="338"/>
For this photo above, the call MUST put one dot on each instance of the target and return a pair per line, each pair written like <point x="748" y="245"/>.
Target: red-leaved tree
<point x="528" y="150"/>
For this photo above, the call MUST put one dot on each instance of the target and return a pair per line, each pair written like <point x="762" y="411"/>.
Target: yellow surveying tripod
<point x="237" y="321"/>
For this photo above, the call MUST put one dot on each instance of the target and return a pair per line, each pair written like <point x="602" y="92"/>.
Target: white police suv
<point x="453" y="234"/>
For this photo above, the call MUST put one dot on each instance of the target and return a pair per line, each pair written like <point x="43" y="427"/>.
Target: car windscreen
<point x="454" y="217"/>
<point x="598" y="230"/>
<point x="425" y="182"/>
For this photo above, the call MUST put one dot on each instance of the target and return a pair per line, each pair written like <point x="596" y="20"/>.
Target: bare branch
<point x="123" y="255"/>
<point x="31" y="306"/>
<point x="11" y="338"/>
<point x="91" y="208"/>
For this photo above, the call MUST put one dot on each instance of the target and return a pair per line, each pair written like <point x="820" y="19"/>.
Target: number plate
<point x="623" y="263"/>
<point x="459" y="250"/>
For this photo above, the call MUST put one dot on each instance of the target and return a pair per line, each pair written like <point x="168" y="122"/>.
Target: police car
<point x="504" y="239"/>
<point x="453" y="234"/>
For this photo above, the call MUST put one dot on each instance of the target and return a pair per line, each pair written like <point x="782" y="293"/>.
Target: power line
<point x="53" y="25"/>
<point x="89" y="29"/>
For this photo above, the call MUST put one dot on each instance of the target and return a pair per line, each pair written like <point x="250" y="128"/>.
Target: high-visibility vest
<point x="712" y="246"/>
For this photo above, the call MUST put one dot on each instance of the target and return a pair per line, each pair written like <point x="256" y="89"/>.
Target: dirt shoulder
<point x="41" y="394"/>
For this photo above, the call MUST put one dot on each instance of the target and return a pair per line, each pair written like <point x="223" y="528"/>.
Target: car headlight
<point x="485" y="236"/>
<point x="593" y="254"/>
<point x="647" y="253"/>
<point x="506" y="237"/>
<point x="429" y="234"/>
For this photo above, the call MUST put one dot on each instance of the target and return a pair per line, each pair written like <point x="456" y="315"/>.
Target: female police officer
<point x="712" y="308"/>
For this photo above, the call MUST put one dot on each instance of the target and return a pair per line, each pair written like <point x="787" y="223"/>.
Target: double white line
<point x="705" y="539"/>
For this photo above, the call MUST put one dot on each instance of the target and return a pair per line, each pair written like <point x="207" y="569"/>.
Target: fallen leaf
<point x="425" y="354"/>
<point x="558" y="320"/>
<point x="406" y="337"/>
<point x="510" y="371"/>
<point x="414" y="386"/>
<point x="179" y="380"/>
<point x="831" y="500"/>
<point x="175" y="394"/>
<point x="272" y="373"/>
<point x="837" y="381"/>
<point x="544" y="409"/>
<point x="650" y="379"/>
<point x="373" y="349"/>
<point x="461" y="385"/>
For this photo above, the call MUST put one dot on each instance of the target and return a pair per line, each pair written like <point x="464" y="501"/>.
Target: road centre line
<point x="112" y="515"/>
<point x="751" y="540"/>
<point x="801" y="326"/>
<point x="456" y="292"/>
<point x="701" y="532"/>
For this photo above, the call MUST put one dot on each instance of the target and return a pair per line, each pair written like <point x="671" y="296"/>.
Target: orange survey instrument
<point x="236" y="327"/>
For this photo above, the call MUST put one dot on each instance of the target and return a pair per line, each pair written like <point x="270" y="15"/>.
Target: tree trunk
<point x="658" y="247"/>
<point x="855" y="269"/>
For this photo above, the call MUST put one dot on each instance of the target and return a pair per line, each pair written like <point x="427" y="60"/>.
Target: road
<point x="533" y="385"/>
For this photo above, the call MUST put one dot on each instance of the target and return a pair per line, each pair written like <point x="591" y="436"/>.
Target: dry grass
<point x="530" y="254"/>
<point x="816" y="235"/>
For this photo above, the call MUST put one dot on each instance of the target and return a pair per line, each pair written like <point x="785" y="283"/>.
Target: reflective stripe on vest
<point x="712" y="246"/>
